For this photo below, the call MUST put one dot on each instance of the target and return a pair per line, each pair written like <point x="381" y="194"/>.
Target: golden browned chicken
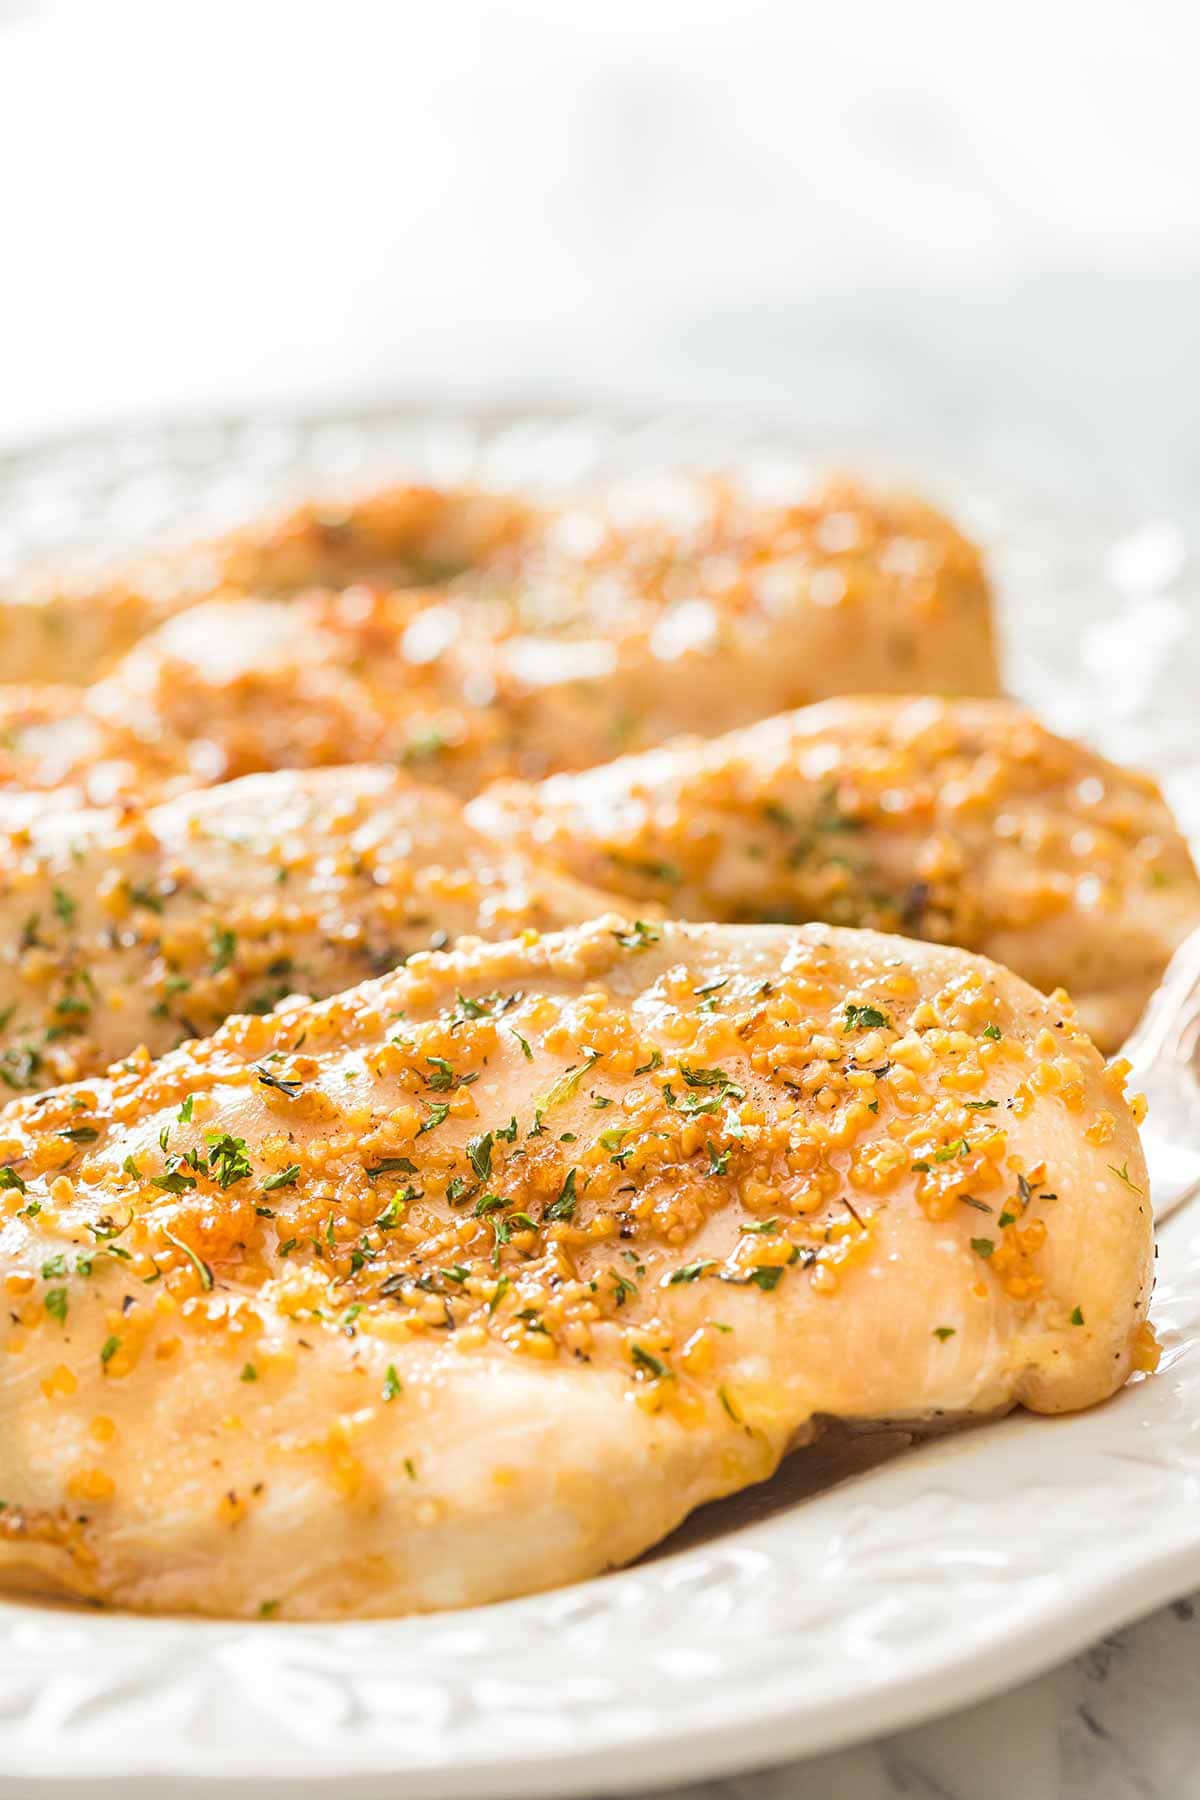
<point x="127" y="928"/>
<point x="966" y="822"/>
<point x="67" y="628"/>
<point x="600" y="630"/>
<point x="480" y="1277"/>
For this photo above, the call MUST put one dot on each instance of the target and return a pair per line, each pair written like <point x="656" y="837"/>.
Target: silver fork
<point x="1165" y="1052"/>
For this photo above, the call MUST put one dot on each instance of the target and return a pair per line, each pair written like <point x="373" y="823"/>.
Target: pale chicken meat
<point x="479" y="1278"/>
<point x="131" y="930"/>
<point x="966" y="822"/>
<point x="604" y="630"/>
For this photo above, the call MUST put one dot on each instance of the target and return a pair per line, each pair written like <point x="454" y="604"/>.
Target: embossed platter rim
<point x="959" y="1569"/>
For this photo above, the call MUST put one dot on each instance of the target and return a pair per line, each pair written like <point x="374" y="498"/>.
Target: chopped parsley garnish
<point x="642" y="1359"/>
<point x="479" y="1154"/>
<point x="392" y="1385"/>
<point x="10" y="1179"/>
<point x="223" y="944"/>
<point x="391" y="1165"/>
<point x="567" y="1084"/>
<point x="689" y="1272"/>
<point x="709" y="1078"/>
<point x="488" y="1006"/>
<point x="142" y="896"/>
<point x="1077" y="1316"/>
<point x="942" y="1332"/>
<point x="564" y="1206"/>
<point x="108" y="1350"/>
<point x="227" y="1158"/>
<point x="201" y="1267"/>
<point x="173" y="1182"/>
<point x="444" y="1078"/>
<point x="64" y="906"/>
<point x="982" y="1247"/>
<point x="438" y="1114"/>
<point x="502" y="1287"/>
<point x="642" y="935"/>
<point x="249" y="1372"/>
<point x="389" y="1218"/>
<point x="184" y="1115"/>
<point x="993" y="1032"/>
<point x="718" y="1161"/>
<point x="766" y="1279"/>
<point x="863" y="1018"/>
<point x="283" y="1178"/>
<point x="691" y="1104"/>
<point x="55" y="1302"/>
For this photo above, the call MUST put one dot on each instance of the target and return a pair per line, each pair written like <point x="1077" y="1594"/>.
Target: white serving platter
<point x="872" y="1584"/>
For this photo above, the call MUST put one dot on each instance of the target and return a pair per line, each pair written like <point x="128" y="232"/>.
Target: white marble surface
<point x="1118" y="1723"/>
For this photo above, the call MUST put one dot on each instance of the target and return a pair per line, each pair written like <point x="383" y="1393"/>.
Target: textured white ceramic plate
<point x="871" y="1585"/>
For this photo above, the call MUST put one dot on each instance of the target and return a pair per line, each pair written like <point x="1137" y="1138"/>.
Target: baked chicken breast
<point x="966" y="822"/>
<point x="605" y="629"/>
<point x="132" y="930"/>
<point x="478" y="1278"/>
<point x="62" y="627"/>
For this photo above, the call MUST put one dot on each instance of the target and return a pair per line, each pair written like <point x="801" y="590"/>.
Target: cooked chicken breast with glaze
<point x="967" y="822"/>
<point x="603" y="630"/>
<point x="142" y="928"/>
<point x="695" y="584"/>
<point x="61" y="627"/>
<point x="480" y="1277"/>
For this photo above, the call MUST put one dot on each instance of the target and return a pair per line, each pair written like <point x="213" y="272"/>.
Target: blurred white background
<point x="954" y="231"/>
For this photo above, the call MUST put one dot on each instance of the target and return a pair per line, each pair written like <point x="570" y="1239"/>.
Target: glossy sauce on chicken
<point x="478" y="1278"/>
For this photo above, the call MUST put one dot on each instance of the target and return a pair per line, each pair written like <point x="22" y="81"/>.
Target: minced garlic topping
<point x="146" y="928"/>
<point x="544" y="1162"/>
<point x="965" y="822"/>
